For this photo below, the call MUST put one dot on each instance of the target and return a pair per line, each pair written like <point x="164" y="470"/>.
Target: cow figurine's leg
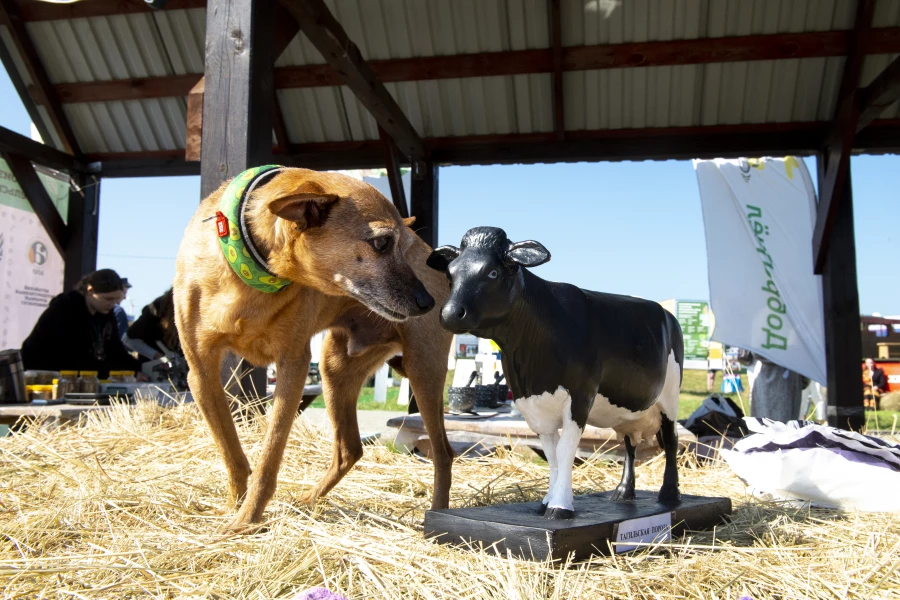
<point x="549" y="442"/>
<point x="625" y="491"/>
<point x="561" y="501"/>
<point x="668" y="439"/>
<point x="550" y="416"/>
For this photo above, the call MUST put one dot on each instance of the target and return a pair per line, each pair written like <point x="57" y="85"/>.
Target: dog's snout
<point x="424" y="300"/>
<point x="460" y="312"/>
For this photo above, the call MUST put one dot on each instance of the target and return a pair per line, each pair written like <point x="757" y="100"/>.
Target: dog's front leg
<point x="288" y="393"/>
<point x="206" y="387"/>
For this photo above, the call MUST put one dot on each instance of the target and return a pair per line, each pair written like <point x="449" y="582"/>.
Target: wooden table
<point x="501" y="429"/>
<point x="56" y="414"/>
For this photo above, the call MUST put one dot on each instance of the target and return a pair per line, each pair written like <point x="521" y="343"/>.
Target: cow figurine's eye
<point x="492" y="274"/>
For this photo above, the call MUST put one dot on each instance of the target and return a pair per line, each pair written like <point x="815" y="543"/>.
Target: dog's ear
<point x="308" y="206"/>
<point x="408" y="221"/>
<point x="440" y="258"/>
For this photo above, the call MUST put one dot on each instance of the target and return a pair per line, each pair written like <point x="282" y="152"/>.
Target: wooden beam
<point x="136" y="88"/>
<point x="40" y="201"/>
<point x="878" y="95"/>
<point x="15" y="26"/>
<point x="24" y="94"/>
<point x="424" y="201"/>
<point x="239" y="96"/>
<point x="330" y="39"/>
<point x="840" y="296"/>
<point x="392" y="164"/>
<point x="883" y="136"/>
<point x="39" y="10"/>
<point x="559" y="119"/>
<point x="286" y="29"/>
<point x="516" y="62"/>
<point x="839" y="141"/>
<point x="281" y="135"/>
<point x="114" y="167"/>
<point x="84" y="225"/>
<point x="36" y="152"/>
<point x="194" y="122"/>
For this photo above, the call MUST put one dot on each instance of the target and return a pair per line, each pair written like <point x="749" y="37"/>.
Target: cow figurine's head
<point x="486" y="277"/>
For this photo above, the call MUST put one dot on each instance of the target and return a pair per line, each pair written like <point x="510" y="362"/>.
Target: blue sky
<point x="629" y="228"/>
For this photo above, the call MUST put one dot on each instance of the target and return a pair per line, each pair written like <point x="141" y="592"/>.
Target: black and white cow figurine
<point x="572" y="357"/>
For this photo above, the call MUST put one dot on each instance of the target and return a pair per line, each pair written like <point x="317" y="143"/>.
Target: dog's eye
<point x="492" y="274"/>
<point x="381" y="244"/>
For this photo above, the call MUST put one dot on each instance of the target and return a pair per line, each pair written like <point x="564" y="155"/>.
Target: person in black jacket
<point x="156" y="324"/>
<point x="78" y="330"/>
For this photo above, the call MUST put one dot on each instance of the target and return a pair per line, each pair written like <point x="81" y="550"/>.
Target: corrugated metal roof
<point x="385" y="29"/>
<point x="121" y="47"/>
<point x="171" y="42"/>
<point x="586" y="22"/>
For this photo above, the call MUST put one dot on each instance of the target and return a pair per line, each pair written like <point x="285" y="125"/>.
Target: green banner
<point x="57" y="186"/>
<point x="693" y="316"/>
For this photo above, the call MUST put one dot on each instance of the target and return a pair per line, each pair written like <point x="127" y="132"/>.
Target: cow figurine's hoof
<point x="621" y="494"/>
<point x="669" y="495"/>
<point x="542" y="509"/>
<point x="559" y="514"/>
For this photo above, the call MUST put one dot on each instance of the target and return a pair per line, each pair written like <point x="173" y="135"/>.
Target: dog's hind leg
<point x="342" y="378"/>
<point x="206" y="387"/>
<point x="426" y="366"/>
<point x="288" y="393"/>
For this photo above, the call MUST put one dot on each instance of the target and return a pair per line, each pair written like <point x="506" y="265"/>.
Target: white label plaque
<point x="655" y="528"/>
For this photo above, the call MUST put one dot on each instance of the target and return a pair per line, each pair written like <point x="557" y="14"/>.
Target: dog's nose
<point x="424" y="301"/>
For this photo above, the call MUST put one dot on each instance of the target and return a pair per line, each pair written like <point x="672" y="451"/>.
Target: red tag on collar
<point x="221" y="224"/>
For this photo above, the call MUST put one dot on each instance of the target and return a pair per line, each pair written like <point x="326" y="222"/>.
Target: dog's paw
<point x="305" y="501"/>
<point x="239" y="527"/>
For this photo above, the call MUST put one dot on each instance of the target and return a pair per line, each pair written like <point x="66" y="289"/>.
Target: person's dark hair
<point x="165" y="310"/>
<point x="102" y="282"/>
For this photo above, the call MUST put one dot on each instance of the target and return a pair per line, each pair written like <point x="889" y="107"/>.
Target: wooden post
<point x="238" y="104"/>
<point x="239" y="92"/>
<point x="843" y="344"/>
<point x="424" y="201"/>
<point x="395" y="179"/>
<point x="83" y="224"/>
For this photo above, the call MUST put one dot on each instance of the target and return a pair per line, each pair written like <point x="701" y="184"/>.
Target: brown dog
<point x="358" y="271"/>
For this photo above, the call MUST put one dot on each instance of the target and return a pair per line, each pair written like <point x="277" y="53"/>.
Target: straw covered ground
<point x="126" y="506"/>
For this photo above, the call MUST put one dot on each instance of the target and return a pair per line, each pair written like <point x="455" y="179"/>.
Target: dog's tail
<point x="396" y="364"/>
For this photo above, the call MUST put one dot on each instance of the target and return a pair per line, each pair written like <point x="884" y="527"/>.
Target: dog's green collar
<point x="234" y="236"/>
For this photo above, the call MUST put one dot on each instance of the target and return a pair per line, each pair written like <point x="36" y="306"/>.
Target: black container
<point x="502" y="393"/>
<point x="462" y="399"/>
<point x="486" y="396"/>
<point x="12" y="378"/>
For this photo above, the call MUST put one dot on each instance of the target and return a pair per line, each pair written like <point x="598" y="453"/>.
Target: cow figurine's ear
<point x="528" y="253"/>
<point x="440" y="258"/>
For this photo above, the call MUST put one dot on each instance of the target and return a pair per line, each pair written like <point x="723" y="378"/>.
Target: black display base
<point x="521" y="531"/>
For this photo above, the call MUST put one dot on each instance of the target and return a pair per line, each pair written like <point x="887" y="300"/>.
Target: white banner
<point x="31" y="269"/>
<point x="759" y="216"/>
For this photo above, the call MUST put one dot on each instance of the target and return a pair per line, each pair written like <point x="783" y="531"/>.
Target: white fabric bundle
<point x="822" y="465"/>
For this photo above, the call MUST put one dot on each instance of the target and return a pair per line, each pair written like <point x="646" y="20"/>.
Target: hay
<point x="125" y="505"/>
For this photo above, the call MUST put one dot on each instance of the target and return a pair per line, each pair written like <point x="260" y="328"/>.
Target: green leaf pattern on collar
<point x="233" y="246"/>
